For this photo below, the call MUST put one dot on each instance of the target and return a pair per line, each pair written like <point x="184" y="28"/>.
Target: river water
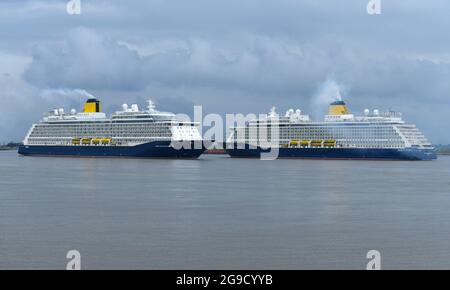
<point x="223" y="213"/>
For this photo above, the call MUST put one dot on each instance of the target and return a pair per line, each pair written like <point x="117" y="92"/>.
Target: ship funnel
<point x="92" y="106"/>
<point x="338" y="108"/>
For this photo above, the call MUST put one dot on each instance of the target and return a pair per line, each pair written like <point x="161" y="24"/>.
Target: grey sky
<point x="230" y="56"/>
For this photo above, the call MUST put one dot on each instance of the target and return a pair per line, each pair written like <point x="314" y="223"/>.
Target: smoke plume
<point x="328" y="92"/>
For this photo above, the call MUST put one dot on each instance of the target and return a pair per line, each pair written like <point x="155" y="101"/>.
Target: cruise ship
<point x="341" y="135"/>
<point x="129" y="132"/>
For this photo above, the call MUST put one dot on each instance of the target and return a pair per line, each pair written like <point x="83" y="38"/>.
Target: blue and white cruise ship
<point x="129" y="132"/>
<point x="375" y="135"/>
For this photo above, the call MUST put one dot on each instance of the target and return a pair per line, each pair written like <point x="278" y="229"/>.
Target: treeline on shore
<point x="443" y="149"/>
<point x="9" y="145"/>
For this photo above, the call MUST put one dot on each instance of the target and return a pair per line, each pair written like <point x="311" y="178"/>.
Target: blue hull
<point x="156" y="149"/>
<point x="336" y="153"/>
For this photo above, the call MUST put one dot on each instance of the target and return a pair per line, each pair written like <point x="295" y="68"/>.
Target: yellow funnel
<point x="92" y="106"/>
<point x="338" y="108"/>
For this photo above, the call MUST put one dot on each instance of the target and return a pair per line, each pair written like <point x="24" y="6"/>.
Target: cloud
<point x="241" y="61"/>
<point x="267" y="66"/>
<point x="22" y="105"/>
<point x="87" y="60"/>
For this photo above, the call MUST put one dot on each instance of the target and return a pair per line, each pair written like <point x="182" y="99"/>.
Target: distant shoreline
<point x="4" y="148"/>
<point x="443" y="149"/>
<point x="9" y="146"/>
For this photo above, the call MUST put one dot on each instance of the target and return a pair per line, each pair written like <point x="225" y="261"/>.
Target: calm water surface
<point x="218" y="213"/>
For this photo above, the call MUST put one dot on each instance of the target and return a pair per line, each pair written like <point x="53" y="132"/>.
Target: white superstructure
<point x="339" y="129"/>
<point x="127" y="127"/>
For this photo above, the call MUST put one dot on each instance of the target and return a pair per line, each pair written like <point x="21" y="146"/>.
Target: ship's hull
<point x="246" y="151"/>
<point x="156" y="149"/>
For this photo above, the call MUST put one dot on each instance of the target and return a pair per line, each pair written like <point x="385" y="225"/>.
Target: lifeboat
<point x="86" y="141"/>
<point x="329" y="143"/>
<point x="316" y="143"/>
<point x="304" y="143"/>
<point x="105" y="141"/>
<point x="293" y="143"/>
